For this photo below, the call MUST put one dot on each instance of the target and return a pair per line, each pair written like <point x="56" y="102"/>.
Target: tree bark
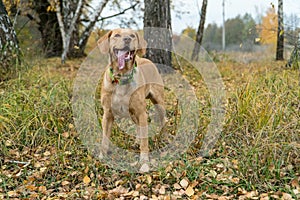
<point x="9" y="45"/>
<point x="280" y="32"/>
<point x="157" y="33"/>
<point x="48" y="27"/>
<point x="199" y="36"/>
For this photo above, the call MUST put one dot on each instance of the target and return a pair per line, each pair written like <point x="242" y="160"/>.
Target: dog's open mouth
<point x="123" y="55"/>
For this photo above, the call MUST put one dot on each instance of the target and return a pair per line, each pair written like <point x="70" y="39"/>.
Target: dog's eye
<point x="117" y="35"/>
<point x="132" y="35"/>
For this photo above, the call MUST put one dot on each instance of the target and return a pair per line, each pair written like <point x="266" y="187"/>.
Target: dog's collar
<point x="123" y="79"/>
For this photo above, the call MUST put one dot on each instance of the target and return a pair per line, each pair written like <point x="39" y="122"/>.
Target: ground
<point x="256" y="157"/>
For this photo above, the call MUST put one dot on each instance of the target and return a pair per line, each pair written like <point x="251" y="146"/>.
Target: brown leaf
<point x="42" y="189"/>
<point x="66" y="134"/>
<point x="295" y="183"/>
<point x="177" y="186"/>
<point x="212" y="196"/>
<point x="86" y="170"/>
<point x="64" y="183"/>
<point x="31" y="187"/>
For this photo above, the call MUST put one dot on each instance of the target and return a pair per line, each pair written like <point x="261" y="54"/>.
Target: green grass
<point x="258" y="149"/>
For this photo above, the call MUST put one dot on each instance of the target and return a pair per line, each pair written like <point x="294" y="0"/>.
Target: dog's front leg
<point x="107" y="122"/>
<point x="142" y="134"/>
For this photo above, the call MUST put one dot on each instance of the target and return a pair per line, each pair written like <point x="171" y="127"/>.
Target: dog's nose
<point x="127" y="40"/>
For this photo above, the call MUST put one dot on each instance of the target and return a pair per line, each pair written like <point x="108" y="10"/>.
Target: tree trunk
<point x="280" y="32"/>
<point x="49" y="28"/>
<point x="200" y="31"/>
<point x="9" y="46"/>
<point x="157" y="32"/>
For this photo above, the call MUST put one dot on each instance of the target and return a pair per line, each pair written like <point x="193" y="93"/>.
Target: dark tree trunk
<point x="9" y="46"/>
<point x="158" y="33"/>
<point x="280" y="32"/>
<point x="49" y="29"/>
<point x="199" y="35"/>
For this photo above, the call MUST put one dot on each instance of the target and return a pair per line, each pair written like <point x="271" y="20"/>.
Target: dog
<point x="127" y="82"/>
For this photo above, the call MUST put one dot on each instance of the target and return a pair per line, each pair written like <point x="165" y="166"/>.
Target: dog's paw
<point x="145" y="168"/>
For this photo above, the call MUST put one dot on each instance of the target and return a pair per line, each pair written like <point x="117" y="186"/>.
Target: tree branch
<point x="120" y="13"/>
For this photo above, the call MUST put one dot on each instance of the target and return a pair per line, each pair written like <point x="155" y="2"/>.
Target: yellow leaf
<point x="86" y="180"/>
<point x="189" y="191"/>
<point x="281" y="32"/>
<point x="12" y="193"/>
<point x="149" y="179"/>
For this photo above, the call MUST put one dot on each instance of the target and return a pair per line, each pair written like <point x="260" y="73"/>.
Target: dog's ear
<point x="142" y="45"/>
<point x="103" y="43"/>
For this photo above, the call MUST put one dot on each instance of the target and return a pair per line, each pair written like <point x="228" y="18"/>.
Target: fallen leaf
<point x="12" y="193"/>
<point x="86" y="180"/>
<point x="189" y="191"/>
<point x="286" y="196"/>
<point x="43" y="169"/>
<point x="295" y="183"/>
<point x="42" y="189"/>
<point x="212" y="196"/>
<point x="162" y="190"/>
<point x="64" y="183"/>
<point x="65" y="134"/>
<point x="47" y="153"/>
<point x="177" y="186"/>
<point x="31" y="187"/>
<point x="86" y="170"/>
<point x="149" y="179"/>
<point x="184" y="183"/>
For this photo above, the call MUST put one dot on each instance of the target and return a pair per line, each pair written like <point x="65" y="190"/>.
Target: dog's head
<point x="122" y="45"/>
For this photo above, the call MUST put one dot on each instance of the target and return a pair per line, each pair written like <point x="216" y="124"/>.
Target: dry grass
<point x="258" y="149"/>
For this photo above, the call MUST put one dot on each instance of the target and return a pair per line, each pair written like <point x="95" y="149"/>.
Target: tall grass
<point x="259" y="143"/>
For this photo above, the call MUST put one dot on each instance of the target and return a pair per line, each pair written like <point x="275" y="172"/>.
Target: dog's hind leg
<point x="157" y="98"/>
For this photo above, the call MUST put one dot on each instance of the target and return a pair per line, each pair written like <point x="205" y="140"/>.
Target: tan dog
<point x="127" y="82"/>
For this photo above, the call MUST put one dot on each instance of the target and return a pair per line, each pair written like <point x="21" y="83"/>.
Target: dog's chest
<point x="121" y="99"/>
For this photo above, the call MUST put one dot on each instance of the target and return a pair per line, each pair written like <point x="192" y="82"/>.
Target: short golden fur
<point x="125" y="47"/>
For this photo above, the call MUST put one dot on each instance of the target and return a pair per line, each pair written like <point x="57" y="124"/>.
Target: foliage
<point x="257" y="156"/>
<point x="241" y="32"/>
<point x="268" y="29"/>
<point x="190" y="32"/>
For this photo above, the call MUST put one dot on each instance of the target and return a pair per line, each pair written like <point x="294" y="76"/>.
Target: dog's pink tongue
<point x="121" y="59"/>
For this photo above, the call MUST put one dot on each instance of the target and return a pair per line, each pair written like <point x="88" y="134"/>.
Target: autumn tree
<point x="62" y="34"/>
<point x="9" y="46"/>
<point x="268" y="28"/>
<point x="158" y="32"/>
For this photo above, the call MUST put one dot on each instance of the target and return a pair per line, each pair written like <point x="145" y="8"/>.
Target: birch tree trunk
<point x="67" y="26"/>
<point x="91" y="24"/>
<point x="280" y="32"/>
<point x="200" y="31"/>
<point x="9" y="46"/>
<point x="158" y="32"/>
